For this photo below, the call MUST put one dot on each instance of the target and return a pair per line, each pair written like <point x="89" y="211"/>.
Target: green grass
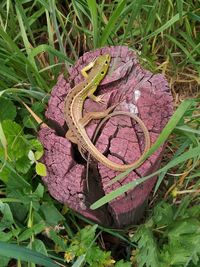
<point x="39" y="40"/>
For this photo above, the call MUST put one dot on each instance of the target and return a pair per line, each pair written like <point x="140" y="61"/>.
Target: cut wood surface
<point x="120" y="139"/>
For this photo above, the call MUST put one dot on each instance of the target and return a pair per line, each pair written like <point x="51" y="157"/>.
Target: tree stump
<point x="121" y="139"/>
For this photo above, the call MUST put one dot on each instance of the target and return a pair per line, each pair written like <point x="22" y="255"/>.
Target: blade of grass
<point x="7" y="14"/>
<point x="190" y="41"/>
<point x="23" y="34"/>
<point x="163" y="136"/>
<point x="161" y="139"/>
<point x="47" y="48"/>
<point x="114" y="232"/>
<point x="13" y="48"/>
<point x="192" y="153"/>
<point x="193" y="16"/>
<point x="181" y="149"/>
<point x="180" y="9"/>
<point x="56" y="27"/>
<point x="30" y="21"/>
<point x="92" y="4"/>
<point x="25" y="21"/>
<point x="134" y="13"/>
<point x="109" y="28"/>
<point x="79" y="262"/>
<point x="11" y="200"/>
<point x="45" y="4"/>
<point x="82" y="7"/>
<point x="167" y="25"/>
<point x="50" y="36"/>
<point x="25" y="254"/>
<point x="8" y="73"/>
<point x="188" y="129"/>
<point x="31" y="93"/>
<point x="187" y="53"/>
<point x="78" y="11"/>
<point x="64" y="26"/>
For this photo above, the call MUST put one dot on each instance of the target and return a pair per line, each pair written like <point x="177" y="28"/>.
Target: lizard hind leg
<point x="70" y="136"/>
<point x="85" y="120"/>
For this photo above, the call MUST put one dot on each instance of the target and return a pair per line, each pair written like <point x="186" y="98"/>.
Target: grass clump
<point x="40" y="39"/>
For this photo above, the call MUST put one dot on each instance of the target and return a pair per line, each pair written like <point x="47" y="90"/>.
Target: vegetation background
<point x="40" y="39"/>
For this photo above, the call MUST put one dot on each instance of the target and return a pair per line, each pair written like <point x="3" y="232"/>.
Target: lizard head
<point x="106" y="59"/>
<point x="103" y="61"/>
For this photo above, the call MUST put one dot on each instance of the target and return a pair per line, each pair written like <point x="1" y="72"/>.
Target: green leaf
<point x="25" y="235"/>
<point x="39" y="154"/>
<point x="29" y="122"/>
<point x="5" y="237"/>
<point x="121" y="263"/>
<point x="87" y="234"/>
<point x="52" y="215"/>
<point x="41" y="169"/>
<point x="39" y="190"/>
<point x="4" y="261"/>
<point x="39" y="246"/>
<point x="31" y="156"/>
<point x="27" y="255"/>
<point x="183" y="227"/>
<point x="7" y="109"/>
<point x="184" y="243"/>
<point x="7" y="219"/>
<point x="58" y="240"/>
<point x="23" y="164"/>
<point x="148" y="253"/>
<point x="34" y="230"/>
<point x="17" y="145"/>
<point x="36" y="145"/>
<point x="163" y="214"/>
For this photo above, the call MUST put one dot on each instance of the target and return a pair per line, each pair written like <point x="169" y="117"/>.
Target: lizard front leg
<point x="86" y="68"/>
<point x="99" y="98"/>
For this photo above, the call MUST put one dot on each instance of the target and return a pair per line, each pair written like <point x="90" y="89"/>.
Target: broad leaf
<point x="17" y="145"/>
<point x="7" y="109"/>
<point x="41" y="169"/>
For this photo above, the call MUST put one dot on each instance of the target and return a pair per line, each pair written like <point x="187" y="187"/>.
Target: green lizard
<point x="76" y="122"/>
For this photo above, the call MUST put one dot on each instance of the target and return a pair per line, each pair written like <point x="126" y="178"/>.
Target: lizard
<point x="73" y="109"/>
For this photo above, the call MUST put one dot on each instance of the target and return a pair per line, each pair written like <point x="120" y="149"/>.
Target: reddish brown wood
<point x="121" y="139"/>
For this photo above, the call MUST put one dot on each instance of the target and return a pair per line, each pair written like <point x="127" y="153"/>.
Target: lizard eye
<point x="102" y="73"/>
<point x="106" y="62"/>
